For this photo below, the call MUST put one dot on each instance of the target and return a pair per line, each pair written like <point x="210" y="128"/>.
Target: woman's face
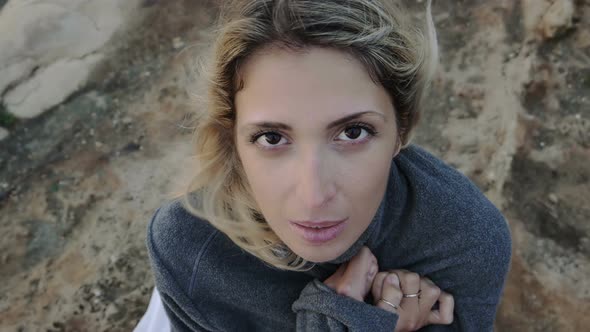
<point x="316" y="137"/>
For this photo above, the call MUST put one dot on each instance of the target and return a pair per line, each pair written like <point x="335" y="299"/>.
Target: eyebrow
<point x="333" y="124"/>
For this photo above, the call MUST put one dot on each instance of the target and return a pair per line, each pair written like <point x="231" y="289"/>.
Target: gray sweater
<point x="432" y="221"/>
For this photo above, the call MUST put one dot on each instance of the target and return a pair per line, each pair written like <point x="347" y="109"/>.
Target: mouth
<point x="318" y="233"/>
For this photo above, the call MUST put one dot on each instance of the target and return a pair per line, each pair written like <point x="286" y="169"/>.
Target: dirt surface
<point x="509" y="108"/>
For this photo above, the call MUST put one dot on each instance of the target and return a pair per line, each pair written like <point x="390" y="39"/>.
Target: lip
<point x="328" y="230"/>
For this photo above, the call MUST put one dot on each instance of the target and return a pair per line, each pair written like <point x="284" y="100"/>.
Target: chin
<point x="319" y="254"/>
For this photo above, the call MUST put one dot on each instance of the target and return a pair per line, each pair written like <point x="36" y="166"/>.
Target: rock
<point x="49" y="37"/>
<point x="3" y="133"/>
<point x="546" y="19"/>
<point x="49" y="87"/>
<point x="557" y="19"/>
<point x="553" y="198"/>
<point x="97" y="292"/>
<point x="111" y="310"/>
<point x="177" y="43"/>
<point x="582" y="38"/>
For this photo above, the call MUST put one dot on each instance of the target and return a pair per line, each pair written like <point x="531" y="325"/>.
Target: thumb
<point x="336" y="277"/>
<point x="360" y="273"/>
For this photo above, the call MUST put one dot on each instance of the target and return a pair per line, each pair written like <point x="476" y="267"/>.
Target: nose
<point x="315" y="186"/>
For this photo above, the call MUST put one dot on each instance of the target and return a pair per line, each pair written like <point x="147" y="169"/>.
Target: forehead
<point x="316" y="83"/>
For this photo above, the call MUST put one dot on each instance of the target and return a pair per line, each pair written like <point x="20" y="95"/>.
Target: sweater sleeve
<point x="319" y="308"/>
<point x="179" y="320"/>
<point x="163" y="240"/>
<point x="176" y="304"/>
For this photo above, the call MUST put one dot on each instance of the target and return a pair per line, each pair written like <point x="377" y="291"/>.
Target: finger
<point x="409" y="281"/>
<point x="368" y="262"/>
<point x="364" y="254"/>
<point x="429" y="294"/>
<point x="391" y="293"/>
<point x="377" y="286"/>
<point x="371" y="273"/>
<point x="409" y="284"/>
<point x="373" y="268"/>
<point x="337" y="275"/>
<point x="341" y="269"/>
<point x="355" y="281"/>
<point x="444" y="314"/>
<point x="360" y="273"/>
<point x="360" y="264"/>
<point x="345" y="285"/>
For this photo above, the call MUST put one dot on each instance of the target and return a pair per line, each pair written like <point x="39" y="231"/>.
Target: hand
<point x="413" y="312"/>
<point x="355" y="277"/>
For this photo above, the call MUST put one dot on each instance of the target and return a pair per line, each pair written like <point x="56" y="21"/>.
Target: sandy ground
<point x="78" y="184"/>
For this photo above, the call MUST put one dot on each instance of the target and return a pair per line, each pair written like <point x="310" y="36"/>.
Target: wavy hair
<point x="379" y="33"/>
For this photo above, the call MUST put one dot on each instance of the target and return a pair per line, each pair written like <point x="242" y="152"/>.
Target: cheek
<point x="367" y="173"/>
<point x="366" y="182"/>
<point x="264" y="179"/>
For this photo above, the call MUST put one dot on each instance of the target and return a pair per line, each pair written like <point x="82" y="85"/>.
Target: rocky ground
<point x="95" y="133"/>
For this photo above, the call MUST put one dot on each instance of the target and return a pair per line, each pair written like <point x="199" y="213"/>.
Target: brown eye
<point x="353" y="132"/>
<point x="272" y="138"/>
<point x="269" y="140"/>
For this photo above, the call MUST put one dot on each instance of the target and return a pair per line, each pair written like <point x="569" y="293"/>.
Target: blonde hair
<point x="379" y="34"/>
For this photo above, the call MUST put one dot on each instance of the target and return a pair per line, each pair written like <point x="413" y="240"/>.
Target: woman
<point x="310" y="209"/>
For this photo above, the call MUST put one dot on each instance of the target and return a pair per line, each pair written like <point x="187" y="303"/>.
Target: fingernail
<point x="392" y="279"/>
<point x="373" y="270"/>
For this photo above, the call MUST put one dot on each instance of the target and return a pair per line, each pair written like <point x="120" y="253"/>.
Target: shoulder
<point x="462" y="226"/>
<point x="207" y="277"/>
<point x="426" y="170"/>
<point x="175" y="239"/>
<point x="440" y="190"/>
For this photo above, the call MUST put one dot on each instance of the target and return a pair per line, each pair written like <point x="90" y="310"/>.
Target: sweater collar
<point x="387" y="216"/>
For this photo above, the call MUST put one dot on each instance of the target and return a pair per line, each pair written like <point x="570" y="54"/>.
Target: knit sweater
<point x="432" y="220"/>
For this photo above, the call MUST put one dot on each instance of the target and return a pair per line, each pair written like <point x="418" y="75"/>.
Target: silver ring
<point x="391" y="304"/>
<point x="413" y="295"/>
